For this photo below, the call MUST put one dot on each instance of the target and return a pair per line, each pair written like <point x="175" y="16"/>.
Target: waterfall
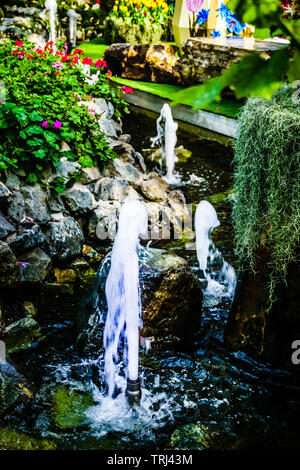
<point x="73" y="17"/>
<point x="166" y="139"/>
<point x="51" y="6"/>
<point x="122" y="291"/>
<point x="219" y="274"/>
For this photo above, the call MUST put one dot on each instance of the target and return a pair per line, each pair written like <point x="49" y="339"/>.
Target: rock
<point x="5" y="227"/>
<point x="125" y="138"/>
<point x="154" y="187"/>
<point x="85" y="274"/>
<point x="113" y="189"/>
<point x="35" y="266"/>
<point x="4" y="193"/>
<point x="69" y="408"/>
<point x="12" y="181"/>
<point x="36" y="206"/>
<point x="163" y="63"/>
<point x="107" y="126"/>
<point x="103" y="221"/>
<point x="90" y="175"/>
<point x="16" y="209"/>
<point x="128" y="172"/>
<point x="92" y="256"/>
<point x="171" y="299"/>
<point x="9" y="266"/>
<point x="13" y="389"/>
<point x="65" y="276"/>
<point x="56" y="205"/>
<point x="191" y="437"/>
<point x="64" y="238"/>
<point x="14" y="440"/>
<point x="79" y="199"/>
<point x="101" y="106"/>
<point x="67" y="170"/>
<point x="115" y="57"/>
<point x="22" y="325"/>
<point x="29" y="309"/>
<point x="30" y="238"/>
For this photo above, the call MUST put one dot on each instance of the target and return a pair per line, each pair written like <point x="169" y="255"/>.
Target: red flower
<point x="87" y="61"/>
<point x="18" y="43"/>
<point x="145" y="13"/>
<point x="78" y="51"/>
<point x="127" y="90"/>
<point x="100" y="63"/>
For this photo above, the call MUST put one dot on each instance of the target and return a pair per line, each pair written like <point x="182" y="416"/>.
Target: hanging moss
<point x="266" y="209"/>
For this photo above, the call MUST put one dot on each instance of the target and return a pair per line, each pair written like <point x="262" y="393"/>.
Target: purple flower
<point x="23" y="265"/>
<point x="194" y="5"/>
<point x="45" y="124"/>
<point x="57" y="124"/>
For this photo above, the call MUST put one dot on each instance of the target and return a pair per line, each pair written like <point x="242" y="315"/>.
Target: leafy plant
<point x="44" y="117"/>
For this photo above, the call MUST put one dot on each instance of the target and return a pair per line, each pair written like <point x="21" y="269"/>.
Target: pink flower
<point x="100" y="63"/>
<point x="57" y="124"/>
<point x="45" y="124"/>
<point x="18" y="43"/>
<point x="127" y="90"/>
<point x="87" y="61"/>
<point x="194" y="5"/>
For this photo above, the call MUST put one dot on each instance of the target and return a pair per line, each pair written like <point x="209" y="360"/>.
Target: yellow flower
<point x="115" y="8"/>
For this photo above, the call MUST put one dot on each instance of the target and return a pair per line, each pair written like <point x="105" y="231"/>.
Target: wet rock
<point x="13" y="389"/>
<point x="4" y="193"/>
<point x="5" y="227"/>
<point x="103" y="221"/>
<point x="16" y="209"/>
<point x="79" y="199"/>
<point x="90" y="175"/>
<point x="113" y="189"/>
<point x="14" y="440"/>
<point x="65" y="276"/>
<point x="92" y="256"/>
<point x="35" y="266"/>
<point x="171" y="299"/>
<point x="154" y="187"/>
<point x="29" y="308"/>
<point x="128" y="172"/>
<point x="191" y="437"/>
<point x="30" y="238"/>
<point x="36" y="206"/>
<point x="64" y="238"/>
<point x="22" y="325"/>
<point x="69" y="407"/>
<point x="9" y="266"/>
<point x="12" y="181"/>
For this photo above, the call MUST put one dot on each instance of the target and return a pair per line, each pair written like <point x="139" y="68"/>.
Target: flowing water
<point x="51" y="6"/>
<point x="240" y="402"/>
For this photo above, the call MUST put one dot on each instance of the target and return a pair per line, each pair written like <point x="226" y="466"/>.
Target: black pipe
<point x="134" y="392"/>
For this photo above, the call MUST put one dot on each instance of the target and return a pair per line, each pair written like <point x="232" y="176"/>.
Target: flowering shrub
<point x="41" y="109"/>
<point x="141" y="12"/>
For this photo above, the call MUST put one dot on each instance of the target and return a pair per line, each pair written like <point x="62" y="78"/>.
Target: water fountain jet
<point x="73" y="17"/>
<point x="51" y="6"/>
<point x="166" y="139"/>
<point x="123" y="300"/>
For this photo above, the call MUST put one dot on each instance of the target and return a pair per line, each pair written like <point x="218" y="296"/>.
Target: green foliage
<point x="253" y="75"/>
<point x="37" y="96"/>
<point x="266" y="208"/>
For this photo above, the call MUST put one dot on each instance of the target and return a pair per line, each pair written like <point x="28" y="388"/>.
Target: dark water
<point x="242" y="404"/>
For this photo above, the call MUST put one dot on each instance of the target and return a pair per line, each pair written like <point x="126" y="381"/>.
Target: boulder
<point x="16" y="209"/>
<point x="35" y="266"/>
<point x="9" y="266"/>
<point x="29" y="238"/>
<point x="115" y="57"/>
<point x="4" y="193"/>
<point x="64" y="238"/>
<point x="5" y="227"/>
<point x="154" y="187"/>
<point x="107" y="126"/>
<point x="128" y="172"/>
<point x="113" y="189"/>
<point x="13" y="389"/>
<point x="36" y="205"/>
<point x="79" y="199"/>
<point x="67" y="170"/>
<point x="12" y="181"/>
<point x="90" y="175"/>
<point x="103" y="221"/>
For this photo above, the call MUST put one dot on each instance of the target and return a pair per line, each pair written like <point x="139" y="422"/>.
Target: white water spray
<point x="123" y="294"/>
<point x="73" y="17"/>
<point x="51" y="6"/>
<point x="219" y="274"/>
<point x="166" y="139"/>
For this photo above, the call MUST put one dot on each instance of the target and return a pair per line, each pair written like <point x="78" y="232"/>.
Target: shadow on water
<point x="234" y="401"/>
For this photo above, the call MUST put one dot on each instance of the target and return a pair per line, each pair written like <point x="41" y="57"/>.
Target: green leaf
<point x="41" y="153"/>
<point x="34" y="116"/>
<point x="32" y="178"/>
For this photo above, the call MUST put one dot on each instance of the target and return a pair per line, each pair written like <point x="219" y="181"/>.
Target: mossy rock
<point x="13" y="440"/>
<point x="117" y="31"/>
<point x="191" y="437"/>
<point x="69" y="407"/>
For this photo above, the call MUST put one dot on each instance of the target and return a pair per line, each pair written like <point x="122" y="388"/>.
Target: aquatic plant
<point x="266" y="210"/>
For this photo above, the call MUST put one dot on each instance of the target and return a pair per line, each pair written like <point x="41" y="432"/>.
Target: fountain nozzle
<point x="133" y="392"/>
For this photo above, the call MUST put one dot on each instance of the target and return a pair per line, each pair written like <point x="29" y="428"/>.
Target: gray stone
<point x="100" y="106"/>
<point x="35" y="266"/>
<point x="107" y="126"/>
<point x="56" y="204"/>
<point x="125" y="138"/>
<point x="90" y="175"/>
<point x="16" y="209"/>
<point x="113" y="189"/>
<point x="103" y="221"/>
<point x="154" y="187"/>
<point x="79" y="199"/>
<point x="64" y="238"/>
<point x="9" y="266"/>
<point x="36" y="206"/>
<point x="30" y="238"/>
<point x="110" y="111"/>
<point x="66" y="170"/>
<point x="12" y="181"/>
<point x="128" y="172"/>
<point x="24" y="324"/>
<point x="12" y="388"/>
<point x="5" y="227"/>
<point x="4" y="192"/>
